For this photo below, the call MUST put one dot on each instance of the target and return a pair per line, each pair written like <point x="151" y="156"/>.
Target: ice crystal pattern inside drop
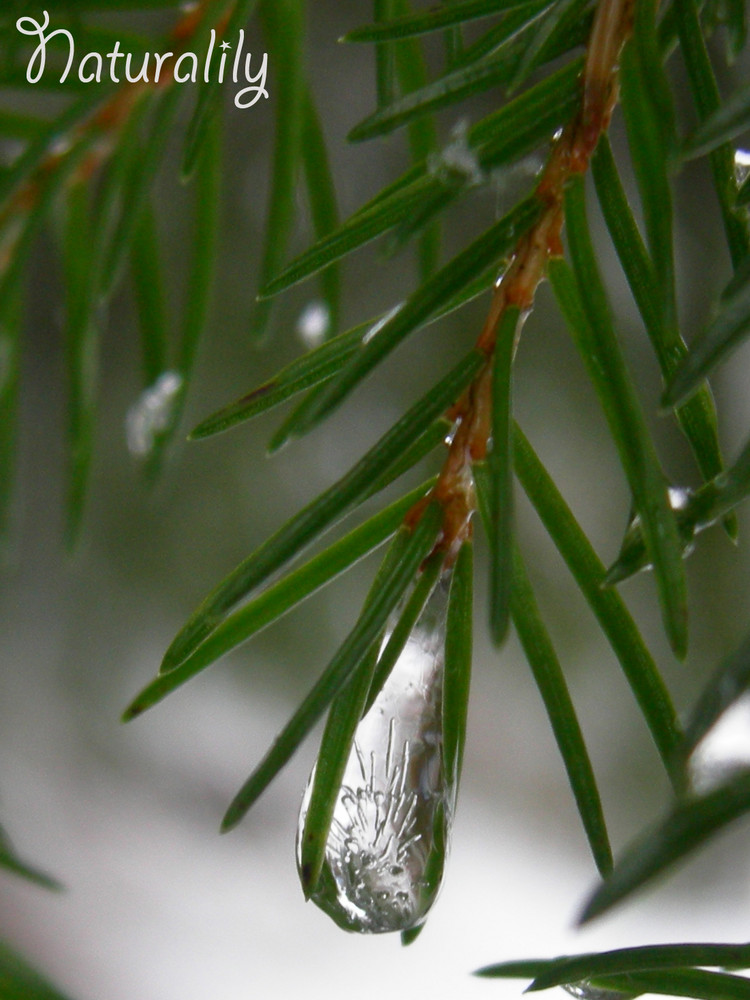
<point x="394" y="805"/>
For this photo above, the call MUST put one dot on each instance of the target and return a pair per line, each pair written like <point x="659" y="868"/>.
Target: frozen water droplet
<point x="679" y="498"/>
<point x="723" y="750"/>
<point x="741" y="165"/>
<point x="457" y="158"/>
<point x="152" y="413"/>
<point x="584" y="991"/>
<point x="448" y="439"/>
<point x="313" y="323"/>
<point x="395" y="804"/>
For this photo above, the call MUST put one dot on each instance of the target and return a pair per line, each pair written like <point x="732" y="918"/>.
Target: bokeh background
<point x="157" y="905"/>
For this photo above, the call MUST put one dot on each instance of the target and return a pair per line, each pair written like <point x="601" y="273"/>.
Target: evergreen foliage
<point x="560" y="68"/>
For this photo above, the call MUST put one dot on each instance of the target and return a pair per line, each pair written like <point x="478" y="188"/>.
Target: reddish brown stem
<point x="571" y="153"/>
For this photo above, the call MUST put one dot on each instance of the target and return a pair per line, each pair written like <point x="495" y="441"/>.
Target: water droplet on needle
<point x="741" y="166"/>
<point x="314" y="323"/>
<point x="152" y="413"/>
<point x="395" y="803"/>
<point x="584" y="991"/>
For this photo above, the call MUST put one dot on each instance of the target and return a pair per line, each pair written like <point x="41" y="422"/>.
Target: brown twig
<point x="570" y="155"/>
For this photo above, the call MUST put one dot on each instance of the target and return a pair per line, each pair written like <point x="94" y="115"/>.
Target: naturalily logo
<point x="185" y="68"/>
